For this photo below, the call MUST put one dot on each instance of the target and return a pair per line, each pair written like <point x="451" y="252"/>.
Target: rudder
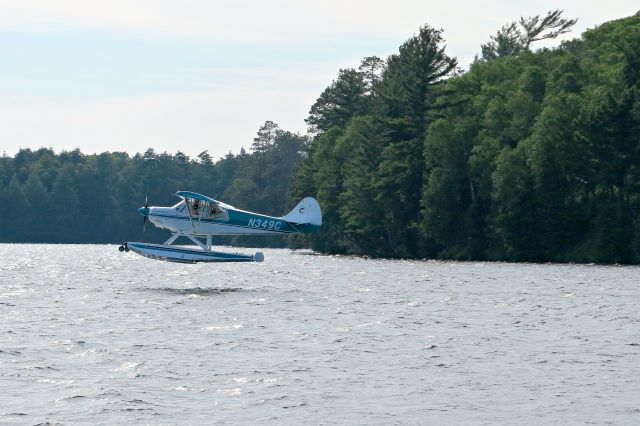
<point x="307" y="211"/>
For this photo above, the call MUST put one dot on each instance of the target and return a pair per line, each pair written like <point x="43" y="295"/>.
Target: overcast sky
<point x="195" y="75"/>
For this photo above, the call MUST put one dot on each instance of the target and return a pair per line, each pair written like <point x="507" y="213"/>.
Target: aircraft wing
<point x="198" y="205"/>
<point x="196" y="196"/>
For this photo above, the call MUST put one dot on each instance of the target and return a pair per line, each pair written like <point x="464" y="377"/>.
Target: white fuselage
<point x="228" y="222"/>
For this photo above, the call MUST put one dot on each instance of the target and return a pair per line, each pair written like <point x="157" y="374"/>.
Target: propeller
<point x="146" y="216"/>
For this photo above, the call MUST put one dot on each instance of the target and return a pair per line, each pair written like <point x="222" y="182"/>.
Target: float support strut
<point x="172" y="239"/>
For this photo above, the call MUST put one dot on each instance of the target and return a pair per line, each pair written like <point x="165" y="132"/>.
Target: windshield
<point x="180" y="206"/>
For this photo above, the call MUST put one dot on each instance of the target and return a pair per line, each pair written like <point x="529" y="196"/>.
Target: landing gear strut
<point x="123" y="247"/>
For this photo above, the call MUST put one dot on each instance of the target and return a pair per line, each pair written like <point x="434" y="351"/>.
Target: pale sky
<point x="195" y="75"/>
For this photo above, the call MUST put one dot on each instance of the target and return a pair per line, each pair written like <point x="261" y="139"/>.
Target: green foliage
<point x="371" y="68"/>
<point x="516" y="37"/>
<point x="447" y="192"/>
<point x="327" y="183"/>
<point x="360" y="212"/>
<point x="528" y="156"/>
<point x="38" y="200"/>
<point x="338" y="103"/>
<point x="408" y="85"/>
<point x="14" y="209"/>
<point x="71" y="197"/>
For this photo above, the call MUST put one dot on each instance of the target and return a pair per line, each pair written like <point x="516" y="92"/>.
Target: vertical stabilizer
<point x="307" y="211"/>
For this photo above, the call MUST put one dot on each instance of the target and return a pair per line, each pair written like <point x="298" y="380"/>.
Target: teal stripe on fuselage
<point x="258" y="221"/>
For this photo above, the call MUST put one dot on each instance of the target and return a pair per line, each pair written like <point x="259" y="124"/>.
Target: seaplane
<point x="197" y="217"/>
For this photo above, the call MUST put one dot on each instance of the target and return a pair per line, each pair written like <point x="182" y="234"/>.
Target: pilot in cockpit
<point x="196" y="206"/>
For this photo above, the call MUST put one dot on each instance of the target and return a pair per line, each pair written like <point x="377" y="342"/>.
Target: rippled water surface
<point x="91" y="335"/>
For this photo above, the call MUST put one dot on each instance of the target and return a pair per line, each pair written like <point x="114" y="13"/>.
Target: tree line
<point x="528" y="156"/>
<point x="71" y="197"/>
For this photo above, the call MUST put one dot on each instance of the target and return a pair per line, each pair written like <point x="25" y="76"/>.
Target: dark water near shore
<point x="91" y="335"/>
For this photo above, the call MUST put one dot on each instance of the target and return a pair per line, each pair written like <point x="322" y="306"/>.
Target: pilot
<point x="196" y="204"/>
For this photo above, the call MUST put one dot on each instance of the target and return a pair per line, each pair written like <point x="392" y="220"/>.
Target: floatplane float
<point x="197" y="216"/>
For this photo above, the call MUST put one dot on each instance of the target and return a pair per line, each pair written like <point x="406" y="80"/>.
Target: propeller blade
<point x="144" y="219"/>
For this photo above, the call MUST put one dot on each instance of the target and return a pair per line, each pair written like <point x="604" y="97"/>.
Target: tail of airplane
<point x="307" y="212"/>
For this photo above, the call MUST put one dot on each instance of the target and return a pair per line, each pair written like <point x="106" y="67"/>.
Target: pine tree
<point x="38" y="206"/>
<point x="338" y="103"/>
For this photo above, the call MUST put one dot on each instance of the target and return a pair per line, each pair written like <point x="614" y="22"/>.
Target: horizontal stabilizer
<point x="307" y="211"/>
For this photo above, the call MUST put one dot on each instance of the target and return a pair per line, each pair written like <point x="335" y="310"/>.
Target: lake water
<point x="92" y="335"/>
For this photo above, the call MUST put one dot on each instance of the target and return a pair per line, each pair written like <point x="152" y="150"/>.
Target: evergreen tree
<point x="266" y="137"/>
<point x="371" y="68"/>
<point x="38" y="207"/>
<point x="408" y="91"/>
<point x="338" y="103"/>
<point x="327" y="180"/>
<point x="516" y="37"/>
<point x="14" y="212"/>
<point x="66" y="209"/>
<point x="359" y="211"/>
<point x="447" y="193"/>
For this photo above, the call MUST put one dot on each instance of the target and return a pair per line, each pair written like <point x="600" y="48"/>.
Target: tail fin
<point x="307" y="211"/>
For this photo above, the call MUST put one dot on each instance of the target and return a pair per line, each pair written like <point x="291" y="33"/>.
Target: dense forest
<point x="530" y="155"/>
<point x="72" y="197"/>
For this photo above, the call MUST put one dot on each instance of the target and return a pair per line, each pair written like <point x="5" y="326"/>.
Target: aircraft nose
<point x="144" y="211"/>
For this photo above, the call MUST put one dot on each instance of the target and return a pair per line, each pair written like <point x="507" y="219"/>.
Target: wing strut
<point x="189" y="213"/>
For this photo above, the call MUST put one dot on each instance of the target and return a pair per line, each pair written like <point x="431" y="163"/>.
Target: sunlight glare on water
<point x="91" y="335"/>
